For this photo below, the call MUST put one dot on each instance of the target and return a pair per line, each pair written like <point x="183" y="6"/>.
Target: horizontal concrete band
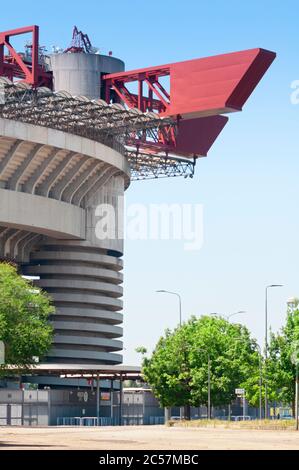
<point x="83" y="313"/>
<point x="41" y="215"/>
<point x="110" y="331"/>
<point x="86" y="307"/>
<point x="102" y="344"/>
<point x="80" y="286"/>
<point x="96" y="300"/>
<point x="95" y="357"/>
<point x="89" y="272"/>
<point x="92" y="258"/>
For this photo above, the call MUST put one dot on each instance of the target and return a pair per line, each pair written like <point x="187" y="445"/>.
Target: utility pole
<point x="296" y="397"/>
<point x="98" y="400"/>
<point x="180" y="301"/>
<point x="209" y="387"/>
<point x="266" y="345"/>
<point x="260" y="380"/>
<point x="295" y="361"/>
<point x="162" y="291"/>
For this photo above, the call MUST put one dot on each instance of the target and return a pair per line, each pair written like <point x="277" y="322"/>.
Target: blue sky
<point x="248" y="185"/>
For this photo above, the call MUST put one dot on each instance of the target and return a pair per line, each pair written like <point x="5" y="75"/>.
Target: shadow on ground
<point x="8" y="444"/>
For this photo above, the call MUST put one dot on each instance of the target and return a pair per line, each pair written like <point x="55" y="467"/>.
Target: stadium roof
<point x="71" y="370"/>
<point x="110" y="124"/>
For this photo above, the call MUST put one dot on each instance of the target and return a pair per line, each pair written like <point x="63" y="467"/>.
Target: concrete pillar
<point x="167" y="414"/>
<point x="98" y="399"/>
<point x="121" y="400"/>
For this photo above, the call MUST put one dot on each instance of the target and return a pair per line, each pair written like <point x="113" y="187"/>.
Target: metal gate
<point x="11" y="414"/>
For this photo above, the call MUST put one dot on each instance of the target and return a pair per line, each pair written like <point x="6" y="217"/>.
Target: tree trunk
<point x="167" y="413"/>
<point x="187" y="412"/>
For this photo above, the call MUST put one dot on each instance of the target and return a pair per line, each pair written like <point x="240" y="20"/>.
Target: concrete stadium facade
<point x="51" y="183"/>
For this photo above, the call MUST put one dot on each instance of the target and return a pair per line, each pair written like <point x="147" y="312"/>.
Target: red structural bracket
<point x="13" y="65"/>
<point x="199" y="87"/>
<point x="200" y="91"/>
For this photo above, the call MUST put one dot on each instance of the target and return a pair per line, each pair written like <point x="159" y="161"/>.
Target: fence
<point x="86" y="421"/>
<point x="93" y="421"/>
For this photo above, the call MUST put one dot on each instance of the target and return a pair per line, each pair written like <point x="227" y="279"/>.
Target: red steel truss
<point x="200" y="91"/>
<point x="198" y="87"/>
<point x="14" y="66"/>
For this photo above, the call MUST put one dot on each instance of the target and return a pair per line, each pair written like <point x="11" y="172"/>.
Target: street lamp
<point x="162" y="291"/>
<point x="260" y="379"/>
<point x="235" y="313"/>
<point x="209" y="382"/>
<point x="227" y="317"/>
<point x="257" y="346"/>
<point x="209" y="387"/>
<point x="266" y="344"/>
<point x="180" y="301"/>
<point x="297" y="392"/>
<point x="295" y="361"/>
<point x="293" y="302"/>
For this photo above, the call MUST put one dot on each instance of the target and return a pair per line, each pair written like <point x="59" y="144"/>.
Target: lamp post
<point x="200" y="350"/>
<point x="297" y="390"/>
<point x="293" y="303"/>
<point x="227" y="317"/>
<point x="260" y="379"/>
<point x="209" y="387"/>
<point x="295" y="361"/>
<point x="180" y="302"/>
<point x="162" y="291"/>
<point x="2" y="353"/>
<point x="266" y="344"/>
<point x="235" y="313"/>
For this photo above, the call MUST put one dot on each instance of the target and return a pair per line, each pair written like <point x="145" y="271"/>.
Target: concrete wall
<point x="41" y="215"/>
<point x="80" y="73"/>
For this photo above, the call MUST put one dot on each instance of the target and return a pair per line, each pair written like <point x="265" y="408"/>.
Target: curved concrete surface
<point x="73" y="143"/>
<point x="51" y="184"/>
<point x="41" y="215"/>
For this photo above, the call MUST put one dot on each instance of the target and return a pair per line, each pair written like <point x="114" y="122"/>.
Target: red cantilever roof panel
<point x="196" y="136"/>
<point x="215" y="85"/>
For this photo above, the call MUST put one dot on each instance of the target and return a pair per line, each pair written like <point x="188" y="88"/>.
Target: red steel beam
<point x="194" y="137"/>
<point x="200" y="91"/>
<point x="201" y="87"/>
<point x="13" y="65"/>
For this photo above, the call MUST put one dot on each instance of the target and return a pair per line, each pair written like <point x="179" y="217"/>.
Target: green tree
<point x="281" y="368"/>
<point x="24" y="311"/>
<point x="178" y="368"/>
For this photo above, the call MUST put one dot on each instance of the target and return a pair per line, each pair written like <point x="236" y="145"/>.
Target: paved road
<point x="144" y="437"/>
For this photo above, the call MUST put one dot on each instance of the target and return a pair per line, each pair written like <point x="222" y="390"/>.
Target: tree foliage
<point x="283" y="352"/>
<point x="24" y="311"/>
<point x="178" y="368"/>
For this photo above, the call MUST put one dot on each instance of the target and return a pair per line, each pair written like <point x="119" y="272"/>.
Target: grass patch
<point x="265" y="424"/>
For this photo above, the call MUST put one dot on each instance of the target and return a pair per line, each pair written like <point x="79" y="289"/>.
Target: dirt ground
<point x="144" y="437"/>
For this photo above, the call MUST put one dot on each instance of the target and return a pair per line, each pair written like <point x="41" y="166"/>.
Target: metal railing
<point x="85" y="421"/>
